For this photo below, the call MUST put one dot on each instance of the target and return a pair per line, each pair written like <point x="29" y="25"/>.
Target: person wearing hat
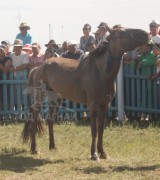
<point x="146" y="56"/>
<point x="86" y="38"/>
<point x="20" y="59"/>
<point x="37" y="57"/>
<point x="154" y="27"/>
<point x="103" y="32"/>
<point x="73" y="51"/>
<point x="24" y="35"/>
<point x="5" y="64"/>
<point x="49" y="53"/>
<point x="8" y="45"/>
<point x="96" y="36"/>
<point x="52" y="44"/>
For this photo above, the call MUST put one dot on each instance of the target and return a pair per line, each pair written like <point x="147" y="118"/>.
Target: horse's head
<point x="126" y="39"/>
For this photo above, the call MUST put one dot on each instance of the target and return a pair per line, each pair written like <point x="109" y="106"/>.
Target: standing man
<point x="24" y="35"/>
<point x="103" y="29"/>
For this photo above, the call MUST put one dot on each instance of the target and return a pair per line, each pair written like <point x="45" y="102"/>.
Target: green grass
<point x="135" y="154"/>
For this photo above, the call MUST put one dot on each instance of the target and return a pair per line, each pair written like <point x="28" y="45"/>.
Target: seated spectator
<point x="24" y="35"/>
<point x="91" y="47"/>
<point x="19" y="58"/>
<point x="146" y="57"/>
<point x="73" y="51"/>
<point x="49" y="53"/>
<point x="86" y="38"/>
<point x="65" y="46"/>
<point x="52" y="44"/>
<point x="8" y="45"/>
<point x="103" y="32"/>
<point x="5" y="64"/>
<point x="154" y="31"/>
<point x="37" y="57"/>
<point x="130" y="56"/>
<point x="27" y="48"/>
<point x="156" y="51"/>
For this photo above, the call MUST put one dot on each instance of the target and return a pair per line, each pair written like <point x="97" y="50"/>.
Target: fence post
<point x="120" y="91"/>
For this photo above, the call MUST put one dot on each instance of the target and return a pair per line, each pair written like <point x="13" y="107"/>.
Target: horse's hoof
<point x="103" y="155"/>
<point x="95" y="158"/>
<point x="35" y="152"/>
<point x="52" y="148"/>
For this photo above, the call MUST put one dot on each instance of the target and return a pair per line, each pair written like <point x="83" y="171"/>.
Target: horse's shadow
<point x="14" y="160"/>
<point x="100" y="169"/>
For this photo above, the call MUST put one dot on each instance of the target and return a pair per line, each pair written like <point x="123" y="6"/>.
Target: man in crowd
<point x="73" y="51"/>
<point x="37" y="58"/>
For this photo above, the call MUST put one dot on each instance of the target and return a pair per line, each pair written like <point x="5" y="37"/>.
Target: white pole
<point x="62" y="33"/>
<point x="50" y="31"/>
<point x="120" y="92"/>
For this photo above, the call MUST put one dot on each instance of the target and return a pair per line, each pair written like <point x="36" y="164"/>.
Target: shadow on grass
<point x="100" y="170"/>
<point x="15" y="160"/>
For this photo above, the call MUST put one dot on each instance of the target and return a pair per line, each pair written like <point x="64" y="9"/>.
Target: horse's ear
<point x="110" y="36"/>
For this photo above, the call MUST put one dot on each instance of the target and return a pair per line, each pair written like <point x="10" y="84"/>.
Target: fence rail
<point x="141" y="95"/>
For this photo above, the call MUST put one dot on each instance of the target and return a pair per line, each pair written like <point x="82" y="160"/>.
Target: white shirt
<point x="155" y="39"/>
<point x="102" y="39"/>
<point x="23" y="58"/>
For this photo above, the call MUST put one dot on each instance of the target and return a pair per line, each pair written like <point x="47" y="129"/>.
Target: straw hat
<point x="18" y="42"/>
<point x="24" y="24"/>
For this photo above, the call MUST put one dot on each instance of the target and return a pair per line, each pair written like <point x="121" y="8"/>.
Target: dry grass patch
<point x="134" y="154"/>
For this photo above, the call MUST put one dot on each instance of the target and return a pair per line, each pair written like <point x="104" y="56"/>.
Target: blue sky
<point x="68" y="17"/>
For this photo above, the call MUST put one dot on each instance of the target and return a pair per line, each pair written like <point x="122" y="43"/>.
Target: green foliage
<point x="135" y="154"/>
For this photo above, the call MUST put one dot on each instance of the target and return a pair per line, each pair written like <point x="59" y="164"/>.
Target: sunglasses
<point x="22" y="28"/>
<point x="85" y="28"/>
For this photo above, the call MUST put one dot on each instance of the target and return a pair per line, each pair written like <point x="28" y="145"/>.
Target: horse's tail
<point x="31" y="127"/>
<point x="34" y="125"/>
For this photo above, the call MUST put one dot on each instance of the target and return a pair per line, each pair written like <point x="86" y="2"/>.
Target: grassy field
<point x="134" y="152"/>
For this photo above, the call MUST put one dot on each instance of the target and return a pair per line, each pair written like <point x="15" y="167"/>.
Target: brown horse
<point x="90" y="81"/>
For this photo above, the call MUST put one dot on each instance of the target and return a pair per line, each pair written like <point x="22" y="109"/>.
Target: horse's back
<point x="64" y="63"/>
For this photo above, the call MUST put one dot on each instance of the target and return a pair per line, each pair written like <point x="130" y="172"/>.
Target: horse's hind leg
<point x="50" y="122"/>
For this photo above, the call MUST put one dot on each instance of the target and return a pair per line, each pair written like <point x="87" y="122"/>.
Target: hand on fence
<point x="11" y="69"/>
<point x="152" y="76"/>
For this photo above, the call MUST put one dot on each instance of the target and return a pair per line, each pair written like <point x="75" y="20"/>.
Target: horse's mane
<point x="100" y="50"/>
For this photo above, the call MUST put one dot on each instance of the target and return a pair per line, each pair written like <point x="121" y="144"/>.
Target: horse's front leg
<point x="101" y="121"/>
<point x="94" y="155"/>
<point x="101" y="151"/>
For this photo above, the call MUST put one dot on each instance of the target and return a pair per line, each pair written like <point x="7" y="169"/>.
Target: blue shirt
<point x="27" y="39"/>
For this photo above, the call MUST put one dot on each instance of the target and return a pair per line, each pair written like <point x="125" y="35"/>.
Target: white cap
<point x="72" y="42"/>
